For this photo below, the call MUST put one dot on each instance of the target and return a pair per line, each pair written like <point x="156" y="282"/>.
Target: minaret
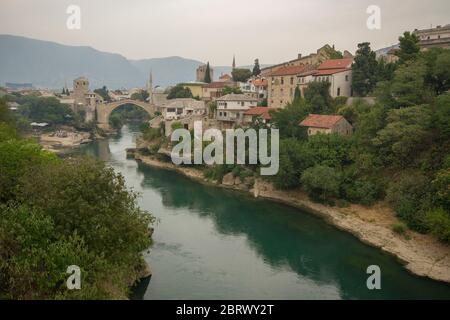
<point x="150" y="87"/>
<point x="234" y="62"/>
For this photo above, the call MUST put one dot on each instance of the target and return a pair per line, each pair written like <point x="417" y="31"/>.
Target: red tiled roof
<point x="260" y="82"/>
<point x="329" y="72"/>
<point x="336" y="64"/>
<point x="217" y="84"/>
<point x="225" y="76"/>
<point x="259" y="111"/>
<point x="291" y="70"/>
<point x="321" y="121"/>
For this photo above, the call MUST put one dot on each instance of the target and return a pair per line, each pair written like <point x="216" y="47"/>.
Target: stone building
<point x="201" y="72"/>
<point x="438" y="37"/>
<point x="282" y="84"/>
<point x="84" y="99"/>
<point x="314" y="59"/>
<point x="327" y="124"/>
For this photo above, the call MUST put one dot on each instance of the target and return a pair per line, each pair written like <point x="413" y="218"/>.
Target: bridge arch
<point x="104" y="110"/>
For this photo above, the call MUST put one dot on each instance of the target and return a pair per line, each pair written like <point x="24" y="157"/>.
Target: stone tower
<point x="80" y="89"/>
<point x="201" y="72"/>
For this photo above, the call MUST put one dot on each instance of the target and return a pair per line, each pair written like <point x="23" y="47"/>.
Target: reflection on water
<point x="212" y="243"/>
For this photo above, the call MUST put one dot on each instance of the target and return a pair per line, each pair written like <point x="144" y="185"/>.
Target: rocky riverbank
<point x="422" y="255"/>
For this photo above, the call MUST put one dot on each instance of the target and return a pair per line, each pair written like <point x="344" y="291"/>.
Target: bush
<point x="438" y="222"/>
<point x="408" y="196"/>
<point x="321" y="183"/>
<point x="399" y="228"/>
<point x="75" y="211"/>
<point x="361" y="190"/>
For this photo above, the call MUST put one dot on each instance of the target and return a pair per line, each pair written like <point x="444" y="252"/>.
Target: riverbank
<point x="422" y="255"/>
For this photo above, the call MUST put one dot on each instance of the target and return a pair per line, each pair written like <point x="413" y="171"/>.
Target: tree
<point x="241" y="75"/>
<point x="141" y="95"/>
<point x="409" y="47"/>
<point x="287" y="119"/>
<point x="317" y="95"/>
<point x="437" y="62"/>
<point x="179" y="91"/>
<point x="207" y="74"/>
<point x="228" y="90"/>
<point x="332" y="53"/>
<point x="256" y="68"/>
<point x="321" y="183"/>
<point x="103" y="92"/>
<point x="364" y="69"/>
<point x="297" y="93"/>
<point x="407" y="88"/>
<point x="404" y="136"/>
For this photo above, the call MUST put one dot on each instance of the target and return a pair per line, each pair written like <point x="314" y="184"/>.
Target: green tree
<point x="141" y="95"/>
<point x="364" y="76"/>
<point x="228" y="90"/>
<point x="241" y="75"/>
<point x="179" y="91"/>
<point x="287" y="119"/>
<point x="256" y="68"/>
<point x="317" y="96"/>
<point x="207" y="74"/>
<point x="103" y="92"/>
<point x="321" y="183"/>
<point x="409" y="47"/>
<point x="404" y="135"/>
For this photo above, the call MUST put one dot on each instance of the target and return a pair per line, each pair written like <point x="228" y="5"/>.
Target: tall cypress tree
<point x="256" y="68"/>
<point x="207" y="74"/>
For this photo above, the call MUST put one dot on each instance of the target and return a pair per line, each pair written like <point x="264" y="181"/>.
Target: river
<point x="211" y="243"/>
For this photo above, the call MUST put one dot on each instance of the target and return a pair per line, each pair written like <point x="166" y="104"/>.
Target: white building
<point x="256" y="88"/>
<point x="338" y="72"/>
<point x="231" y="108"/>
<point x="180" y="108"/>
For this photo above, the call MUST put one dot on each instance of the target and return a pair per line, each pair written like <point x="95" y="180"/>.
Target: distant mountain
<point x="48" y="64"/>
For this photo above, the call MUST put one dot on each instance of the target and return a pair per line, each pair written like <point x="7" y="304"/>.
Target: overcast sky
<point x="214" y="30"/>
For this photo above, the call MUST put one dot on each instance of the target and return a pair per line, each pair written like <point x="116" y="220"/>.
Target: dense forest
<point x="55" y="213"/>
<point x="400" y="150"/>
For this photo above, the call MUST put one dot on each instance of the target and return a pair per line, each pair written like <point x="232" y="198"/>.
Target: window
<point x="346" y="77"/>
<point x="292" y="80"/>
<point x="282" y="80"/>
<point x="338" y="92"/>
<point x="242" y="103"/>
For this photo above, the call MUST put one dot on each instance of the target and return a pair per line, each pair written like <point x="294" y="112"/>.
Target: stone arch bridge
<point x="104" y="110"/>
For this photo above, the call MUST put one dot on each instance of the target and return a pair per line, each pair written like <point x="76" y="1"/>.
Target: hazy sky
<point x="214" y="30"/>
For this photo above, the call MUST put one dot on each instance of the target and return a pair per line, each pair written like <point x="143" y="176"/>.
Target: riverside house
<point x="327" y="124"/>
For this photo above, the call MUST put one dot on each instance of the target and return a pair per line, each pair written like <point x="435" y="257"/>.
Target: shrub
<point x="408" y="196"/>
<point x="399" y="228"/>
<point x="438" y="222"/>
<point x="321" y="183"/>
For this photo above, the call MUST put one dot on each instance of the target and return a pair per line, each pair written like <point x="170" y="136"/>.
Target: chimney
<point x="299" y="56"/>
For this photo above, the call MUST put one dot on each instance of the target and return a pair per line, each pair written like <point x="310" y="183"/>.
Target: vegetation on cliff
<point x="56" y="213"/>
